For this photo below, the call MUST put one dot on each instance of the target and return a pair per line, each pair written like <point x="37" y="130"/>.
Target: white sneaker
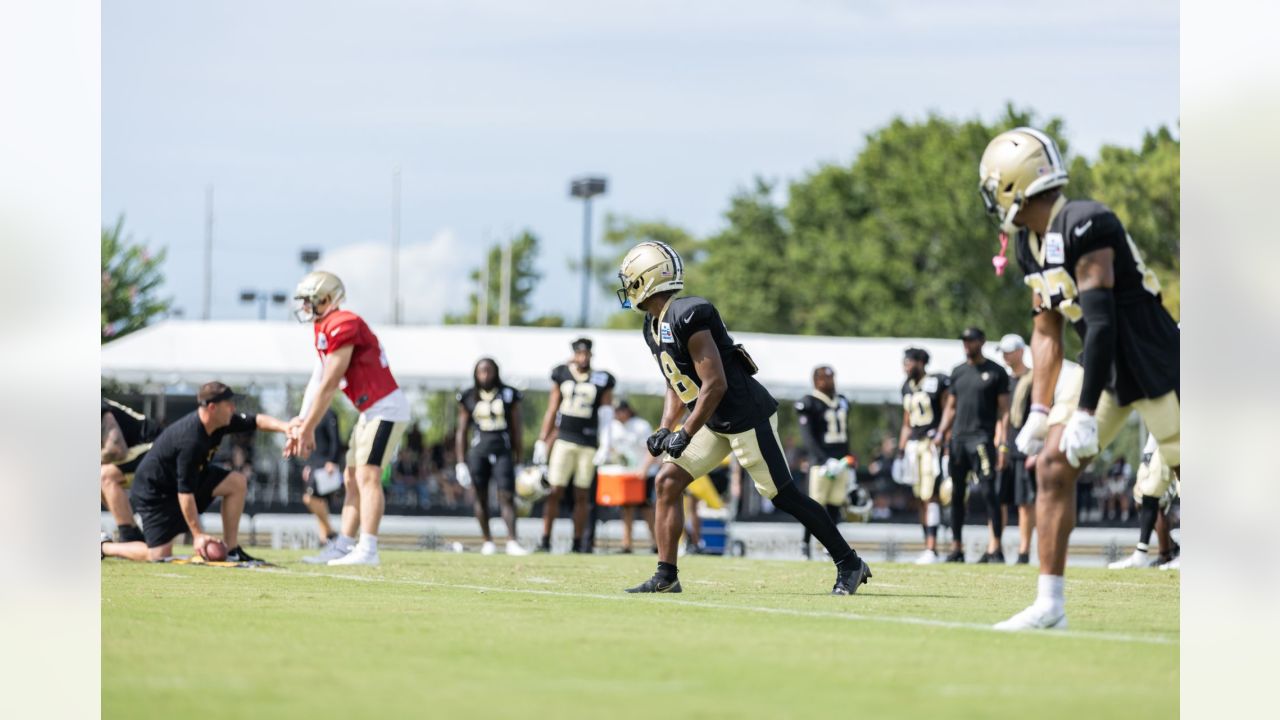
<point x="1036" y="617"/>
<point x="1174" y="564"/>
<point x="928" y="557"/>
<point x="515" y="548"/>
<point x="359" y="555"/>
<point x="330" y="551"/>
<point x="488" y="548"/>
<point x="1138" y="559"/>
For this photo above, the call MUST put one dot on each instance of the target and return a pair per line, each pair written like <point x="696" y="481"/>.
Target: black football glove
<point x="657" y="441"/>
<point x="676" y="443"/>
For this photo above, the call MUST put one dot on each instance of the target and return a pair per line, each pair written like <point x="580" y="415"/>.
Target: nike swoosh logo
<point x="1080" y="231"/>
<point x="689" y="318"/>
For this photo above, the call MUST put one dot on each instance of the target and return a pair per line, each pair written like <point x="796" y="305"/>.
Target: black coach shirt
<point x="746" y="403"/>
<point x="179" y="456"/>
<point x="977" y="389"/>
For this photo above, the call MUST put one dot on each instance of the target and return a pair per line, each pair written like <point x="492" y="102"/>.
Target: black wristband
<point x="1099" y="306"/>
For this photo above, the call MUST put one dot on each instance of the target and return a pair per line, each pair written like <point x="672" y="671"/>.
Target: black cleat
<point x="544" y="546"/>
<point x="624" y="551"/>
<point x="956" y="556"/>
<point x="238" y="555"/>
<point x="995" y="558"/>
<point x="656" y="584"/>
<point x="1024" y="559"/>
<point x="848" y="581"/>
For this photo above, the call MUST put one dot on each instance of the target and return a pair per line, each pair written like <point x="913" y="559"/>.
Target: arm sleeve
<point x="243" y="422"/>
<point x="1099" y="305"/>
<point x="186" y="470"/>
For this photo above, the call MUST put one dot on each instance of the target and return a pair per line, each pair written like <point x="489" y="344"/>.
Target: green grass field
<point x="436" y="635"/>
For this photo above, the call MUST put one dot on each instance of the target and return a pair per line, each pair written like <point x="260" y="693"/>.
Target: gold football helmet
<point x="648" y="269"/>
<point x="318" y="292"/>
<point x="1016" y="166"/>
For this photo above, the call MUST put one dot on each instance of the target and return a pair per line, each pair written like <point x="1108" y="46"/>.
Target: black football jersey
<point x="578" y="419"/>
<point x="923" y="402"/>
<point x="746" y="403"/>
<point x="825" y="422"/>
<point x="1147" y="362"/>
<point x="490" y="412"/>
<point x="136" y="428"/>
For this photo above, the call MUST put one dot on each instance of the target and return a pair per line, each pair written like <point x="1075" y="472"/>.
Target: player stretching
<point x="923" y="397"/>
<point x="824" y="425"/>
<point x="1081" y="266"/>
<point x="729" y="411"/>
<point x="349" y="351"/>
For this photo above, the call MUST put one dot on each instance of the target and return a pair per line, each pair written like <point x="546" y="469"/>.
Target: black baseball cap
<point x="212" y="392"/>
<point x="973" y="333"/>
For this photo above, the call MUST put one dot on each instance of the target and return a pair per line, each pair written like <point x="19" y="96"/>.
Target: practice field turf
<point x="436" y="635"/>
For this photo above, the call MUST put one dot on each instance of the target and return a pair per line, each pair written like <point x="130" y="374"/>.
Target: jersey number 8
<point x="681" y="383"/>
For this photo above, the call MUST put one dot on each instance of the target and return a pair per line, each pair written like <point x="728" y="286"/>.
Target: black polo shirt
<point x="977" y="389"/>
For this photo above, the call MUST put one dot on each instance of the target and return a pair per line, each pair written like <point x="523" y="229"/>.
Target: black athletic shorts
<point x="163" y="521"/>
<point x="491" y="465"/>
<point x="1017" y="483"/>
<point x="977" y="456"/>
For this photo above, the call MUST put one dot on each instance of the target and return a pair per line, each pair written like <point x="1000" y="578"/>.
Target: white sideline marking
<point x="668" y="599"/>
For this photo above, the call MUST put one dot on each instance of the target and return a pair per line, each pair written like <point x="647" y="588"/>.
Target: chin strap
<point x="1000" y="261"/>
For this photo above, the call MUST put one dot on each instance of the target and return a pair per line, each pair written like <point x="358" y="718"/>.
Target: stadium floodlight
<point x="586" y="187"/>
<point x="262" y="297"/>
<point x="309" y="257"/>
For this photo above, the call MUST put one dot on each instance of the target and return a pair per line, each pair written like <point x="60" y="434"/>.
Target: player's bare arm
<point x="1095" y="278"/>
<point x="549" y="418"/>
<point x="706" y="359"/>
<point x="948" y="417"/>
<point x="460" y="439"/>
<point x="1002" y="430"/>
<point x="114" y="447"/>
<point x="335" y="367"/>
<point x="190" y="513"/>
<point x="672" y="410"/>
<point x="905" y="434"/>
<point x="517" y="434"/>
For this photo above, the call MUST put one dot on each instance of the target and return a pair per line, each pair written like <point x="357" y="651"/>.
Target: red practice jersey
<point x="368" y="377"/>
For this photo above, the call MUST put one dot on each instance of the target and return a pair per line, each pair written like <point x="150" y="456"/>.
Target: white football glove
<point x="832" y="467"/>
<point x="602" y="456"/>
<point x="1080" y="438"/>
<point x="463" y="474"/>
<point x="539" y="453"/>
<point x="1031" y="440"/>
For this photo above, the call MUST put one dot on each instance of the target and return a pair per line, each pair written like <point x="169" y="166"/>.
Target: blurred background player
<point x="1082" y="266"/>
<point x="1016" y="474"/>
<point x="126" y="437"/>
<point x="923" y="398"/>
<point x="176" y="482"/>
<point x="630" y="431"/>
<point x="493" y="408"/>
<point x="728" y="411"/>
<point x="824" y="428"/>
<point x="322" y="475"/>
<point x="977" y="417"/>
<point x="576" y="426"/>
<point x="1154" y="491"/>
<point x="350" y="356"/>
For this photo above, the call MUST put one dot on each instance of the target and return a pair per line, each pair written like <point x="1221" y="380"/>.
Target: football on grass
<point x="214" y="551"/>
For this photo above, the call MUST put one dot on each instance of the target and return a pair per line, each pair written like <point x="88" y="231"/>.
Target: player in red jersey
<point x="350" y="358"/>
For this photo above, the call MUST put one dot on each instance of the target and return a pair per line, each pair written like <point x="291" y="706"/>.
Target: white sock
<point x="1141" y="547"/>
<point x="370" y="542"/>
<point x="345" y="543"/>
<point x="1049" y="592"/>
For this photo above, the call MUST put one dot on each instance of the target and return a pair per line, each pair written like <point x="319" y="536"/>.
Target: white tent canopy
<point x="434" y="357"/>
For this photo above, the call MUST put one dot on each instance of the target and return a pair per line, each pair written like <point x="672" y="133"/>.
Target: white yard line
<point x="898" y="619"/>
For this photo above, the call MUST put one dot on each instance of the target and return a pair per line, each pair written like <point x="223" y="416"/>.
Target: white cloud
<point x="433" y="277"/>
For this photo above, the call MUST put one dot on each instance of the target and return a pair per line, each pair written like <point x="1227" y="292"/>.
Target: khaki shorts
<point x="1161" y="415"/>
<point x="571" y="461"/>
<point x="759" y="452"/>
<point x="374" y="442"/>
<point x="921" y="468"/>
<point x="832" y="491"/>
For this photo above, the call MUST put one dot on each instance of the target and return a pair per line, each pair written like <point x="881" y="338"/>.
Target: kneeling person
<point x="175" y="482"/>
<point x="126" y="438"/>
<point x="729" y="411"/>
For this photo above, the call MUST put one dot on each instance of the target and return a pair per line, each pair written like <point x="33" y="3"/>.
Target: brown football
<point x="214" y="551"/>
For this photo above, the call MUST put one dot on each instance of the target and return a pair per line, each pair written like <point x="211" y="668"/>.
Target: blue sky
<point x="297" y="113"/>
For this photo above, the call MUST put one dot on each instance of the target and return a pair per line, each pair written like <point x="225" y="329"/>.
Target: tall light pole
<point x="262" y="297"/>
<point x="208" y="251"/>
<point x="586" y="187"/>
<point x="395" y="246"/>
<point x="309" y="257"/>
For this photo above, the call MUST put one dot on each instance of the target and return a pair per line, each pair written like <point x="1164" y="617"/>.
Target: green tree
<point x="524" y="279"/>
<point x="131" y="279"/>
